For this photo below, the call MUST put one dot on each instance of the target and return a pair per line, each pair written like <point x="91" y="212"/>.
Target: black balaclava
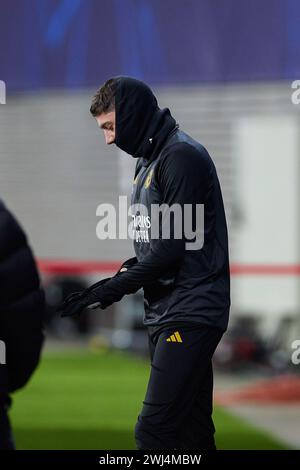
<point x="141" y="126"/>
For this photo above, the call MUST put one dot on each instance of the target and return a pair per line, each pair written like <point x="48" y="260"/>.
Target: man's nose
<point x="108" y="137"/>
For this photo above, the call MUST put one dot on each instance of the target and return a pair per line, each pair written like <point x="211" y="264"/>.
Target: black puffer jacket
<point x="21" y="305"/>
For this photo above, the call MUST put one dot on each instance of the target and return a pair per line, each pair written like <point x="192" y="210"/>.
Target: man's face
<point x="107" y="122"/>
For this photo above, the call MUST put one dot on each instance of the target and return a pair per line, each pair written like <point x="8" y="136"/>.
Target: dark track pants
<point x="177" y="409"/>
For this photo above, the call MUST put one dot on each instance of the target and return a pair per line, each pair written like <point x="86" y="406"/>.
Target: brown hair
<point x="104" y="99"/>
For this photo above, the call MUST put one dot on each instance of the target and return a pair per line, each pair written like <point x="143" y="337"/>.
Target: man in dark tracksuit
<point x="21" y="316"/>
<point x="186" y="291"/>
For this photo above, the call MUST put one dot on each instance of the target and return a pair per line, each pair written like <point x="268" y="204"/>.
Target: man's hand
<point x="76" y="302"/>
<point x="127" y="264"/>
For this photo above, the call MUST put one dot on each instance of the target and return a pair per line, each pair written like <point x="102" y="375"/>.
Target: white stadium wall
<point x="56" y="170"/>
<point x="267" y="237"/>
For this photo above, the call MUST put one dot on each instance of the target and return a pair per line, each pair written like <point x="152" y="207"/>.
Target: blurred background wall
<point x="223" y="68"/>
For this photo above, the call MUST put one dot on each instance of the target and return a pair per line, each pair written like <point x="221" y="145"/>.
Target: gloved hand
<point x="127" y="264"/>
<point x="78" y="301"/>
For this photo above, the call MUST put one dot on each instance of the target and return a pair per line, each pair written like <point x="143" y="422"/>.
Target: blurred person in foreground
<point x="186" y="291"/>
<point x="21" y="315"/>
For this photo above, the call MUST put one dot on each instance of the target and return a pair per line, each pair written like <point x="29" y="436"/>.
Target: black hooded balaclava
<point x="141" y="126"/>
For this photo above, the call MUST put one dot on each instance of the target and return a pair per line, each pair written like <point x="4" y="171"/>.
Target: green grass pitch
<point x="90" y="400"/>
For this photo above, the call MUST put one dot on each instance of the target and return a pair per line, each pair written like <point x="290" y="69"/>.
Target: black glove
<point x="127" y="264"/>
<point x="78" y="301"/>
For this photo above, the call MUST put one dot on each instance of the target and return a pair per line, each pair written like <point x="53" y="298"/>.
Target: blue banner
<point x="80" y="43"/>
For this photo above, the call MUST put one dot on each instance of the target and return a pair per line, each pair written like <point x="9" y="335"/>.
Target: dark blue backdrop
<point x="71" y="43"/>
